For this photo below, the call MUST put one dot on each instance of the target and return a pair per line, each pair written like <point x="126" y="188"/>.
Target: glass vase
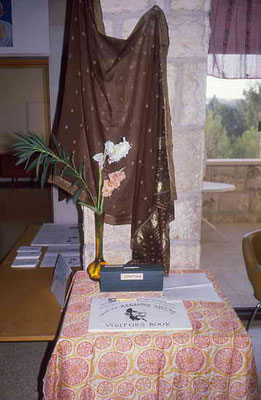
<point x="94" y="267"/>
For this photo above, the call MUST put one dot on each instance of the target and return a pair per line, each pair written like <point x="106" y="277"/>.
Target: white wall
<point x="30" y="29"/>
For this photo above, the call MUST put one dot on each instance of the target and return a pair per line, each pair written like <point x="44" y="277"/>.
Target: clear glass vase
<point x="94" y="267"/>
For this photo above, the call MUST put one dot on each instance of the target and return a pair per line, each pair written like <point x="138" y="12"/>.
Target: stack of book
<point x="27" y="257"/>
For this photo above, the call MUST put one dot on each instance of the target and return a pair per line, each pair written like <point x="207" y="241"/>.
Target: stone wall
<point x="187" y="62"/>
<point x="241" y="205"/>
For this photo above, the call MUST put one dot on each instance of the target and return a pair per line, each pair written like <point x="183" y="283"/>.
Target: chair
<point x="251" y="246"/>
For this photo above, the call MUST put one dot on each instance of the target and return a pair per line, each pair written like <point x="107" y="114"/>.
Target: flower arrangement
<point x="37" y="155"/>
<point x="112" y="153"/>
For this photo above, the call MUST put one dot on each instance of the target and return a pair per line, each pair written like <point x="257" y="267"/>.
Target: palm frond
<point x="45" y="160"/>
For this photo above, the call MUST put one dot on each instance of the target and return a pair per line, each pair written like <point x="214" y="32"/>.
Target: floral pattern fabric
<point x="214" y="361"/>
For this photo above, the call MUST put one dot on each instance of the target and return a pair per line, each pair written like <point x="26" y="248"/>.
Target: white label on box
<point x="132" y="277"/>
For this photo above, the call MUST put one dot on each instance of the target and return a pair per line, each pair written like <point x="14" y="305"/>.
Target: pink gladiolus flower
<point x="108" y="188"/>
<point x="116" y="178"/>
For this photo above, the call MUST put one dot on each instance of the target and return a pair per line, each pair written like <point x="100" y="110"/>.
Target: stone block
<point x="108" y="24"/>
<point x="192" y="107"/>
<point x="207" y="176"/>
<point x="188" y="158"/>
<point x="188" y="5"/>
<point x="172" y="84"/>
<point x="234" y="202"/>
<point x="210" y="203"/>
<point x="188" y="35"/>
<point x="254" y="177"/>
<point x="255" y="202"/>
<point x="120" y="253"/>
<point x="116" y="240"/>
<point x="222" y="173"/>
<point x="128" y="26"/>
<point x="161" y="3"/>
<point x="235" y="175"/>
<point x="184" y="255"/>
<point x="241" y="218"/>
<point x="123" y="6"/>
<point x="187" y="224"/>
<point x="215" y="218"/>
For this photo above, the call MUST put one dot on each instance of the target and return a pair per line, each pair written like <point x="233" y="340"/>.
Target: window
<point x="233" y="118"/>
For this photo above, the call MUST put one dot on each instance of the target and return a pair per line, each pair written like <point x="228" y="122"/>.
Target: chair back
<point x="251" y="246"/>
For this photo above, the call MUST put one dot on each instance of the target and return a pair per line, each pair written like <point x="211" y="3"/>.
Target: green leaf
<point x="32" y="165"/>
<point x="88" y="206"/>
<point x="63" y="171"/>
<point x="81" y="170"/>
<point x="21" y="160"/>
<point x="39" y="162"/>
<point x="44" y="173"/>
<point x="76" y="182"/>
<point x="77" y="194"/>
<point x="55" y="143"/>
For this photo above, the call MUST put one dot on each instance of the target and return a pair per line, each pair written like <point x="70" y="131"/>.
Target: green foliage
<point x="232" y="118"/>
<point x="231" y="130"/>
<point x="250" y="107"/>
<point x="32" y="151"/>
<point x="217" y="141"/>
<point x="247" y="145"/>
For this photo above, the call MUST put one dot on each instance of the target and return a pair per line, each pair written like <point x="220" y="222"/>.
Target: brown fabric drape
<point x="235" y="40"/>
<point x="114" y="88"/>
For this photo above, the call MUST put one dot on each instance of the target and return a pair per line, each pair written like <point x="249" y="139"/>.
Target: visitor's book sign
<point x="108" y="315"/>
<point x="60" y="277"/>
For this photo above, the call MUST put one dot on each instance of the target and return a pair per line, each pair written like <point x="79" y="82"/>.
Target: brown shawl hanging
<point x="116" y="88"/>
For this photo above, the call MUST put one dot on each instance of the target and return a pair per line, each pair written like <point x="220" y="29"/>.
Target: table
<point x="217" y="187"/>
<point x="214" y="187"/>
<point x="28" y="311"/>
<point x="214" y="361"/>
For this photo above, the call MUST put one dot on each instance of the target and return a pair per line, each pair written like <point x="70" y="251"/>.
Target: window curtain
<point x="235" y="41"/>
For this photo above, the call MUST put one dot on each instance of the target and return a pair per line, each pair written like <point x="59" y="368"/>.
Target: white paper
<point x="27" y="254"/>
<point x="204" y="292"/>
<point x="26" y="249"/>
<point x="137" y="315"/>
<point x="184" y="280"/>
<point x="25" y="263"/>
<point x="59" y="283"/>
<point x="49" y="261"/>
<point x="55" y="234"/>
<point x="64" y="250"/>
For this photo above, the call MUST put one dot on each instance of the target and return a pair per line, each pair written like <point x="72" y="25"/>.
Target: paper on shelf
<point x="204" y="292"/>
<point x="26" y="249"/>
<point x="60" y="279"/>
<point x="54" y="234"/>
<point x="27" y="254"/>
<point x="25" y="263"/>
<point x="49" y="261"/>
<point x="67" y="251"/>
<point x="185" y="280"/>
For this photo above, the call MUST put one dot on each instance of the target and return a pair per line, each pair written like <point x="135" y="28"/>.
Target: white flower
<point x="120" y="150"/>
<point x="99" y="157"/>
<point x="109" y="148"/>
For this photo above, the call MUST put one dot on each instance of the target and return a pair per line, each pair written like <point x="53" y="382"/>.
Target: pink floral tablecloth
<point x="213" y="362"/>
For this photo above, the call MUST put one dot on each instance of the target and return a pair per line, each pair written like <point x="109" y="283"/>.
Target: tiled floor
<point x="20" y="363"/>
<point x="224" y="258"/>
